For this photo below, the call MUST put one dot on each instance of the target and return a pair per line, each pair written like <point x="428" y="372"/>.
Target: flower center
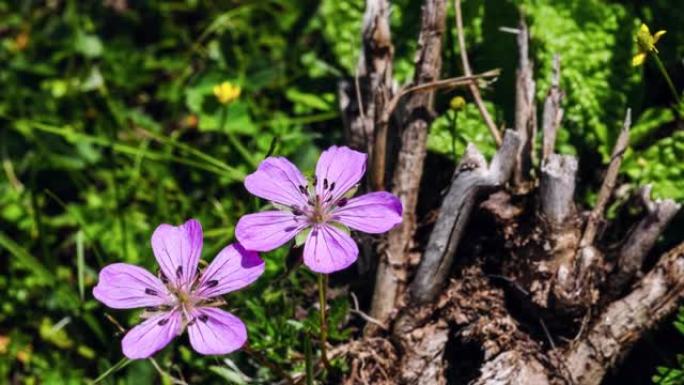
<point x="320" y="205"/>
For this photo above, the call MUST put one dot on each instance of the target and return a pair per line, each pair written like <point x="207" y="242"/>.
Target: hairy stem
<point x="322" y="288"/>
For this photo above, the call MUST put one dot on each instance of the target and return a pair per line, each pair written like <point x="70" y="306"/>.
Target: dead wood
<point x="525" y="110"/>
<point x="545" y="261"/>
<point x="623" y="322"/>
<point x="408" y="170"/>
<point x="553" y="112"/>
<point x="472" y="175"/>
<point x="641" y="239"/>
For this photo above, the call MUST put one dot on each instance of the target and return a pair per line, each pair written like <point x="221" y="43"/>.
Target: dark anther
<point x="203" y="318"/>
<point x="162" y="277"/>
<point x="151" y="308"/>
<point x="325" y="183"/>
<point x="328" y="199"/>
<point x="342" y="202"/>
<point x="211" y="283"/>
<point x="315" y="180"/>
<point x="150" y="291"/>
<point x="291" y="228"/>
<point x="179" y="272"/>
<point x="302" y="189"/>
<point x="163" y="322"/>
<point x="332" y="186"/>
<point x="297" y="211"/>
<point x="191" y="322"/>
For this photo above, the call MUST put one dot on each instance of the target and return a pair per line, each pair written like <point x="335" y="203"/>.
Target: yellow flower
<point x="645" y="44"/>
<point x="457" y="103"/>
<point x="226" y="92"/>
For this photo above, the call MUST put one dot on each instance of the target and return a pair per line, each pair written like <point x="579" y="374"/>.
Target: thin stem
<point x="234" y="141"/>
<point x="322" y="287"/>
<point x="663" y="71"/>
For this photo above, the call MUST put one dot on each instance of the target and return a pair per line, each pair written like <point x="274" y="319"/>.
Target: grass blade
<point x="26" y="259"/>
<point x="80" y="264"/>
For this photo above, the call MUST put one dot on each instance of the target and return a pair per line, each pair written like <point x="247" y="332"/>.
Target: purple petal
<point x="279" y="181"/>
<point x="214" y="331"/>
<point x="124" y="286"/>
<point x="152" y="335"/>
<point x="178" y="249"/>
<point x="232" y="269"/>
<point x="328" y="249"/>
<point x="373" y="213"/>
<point x="338" y="170"/>
<point x="268" y="230"/>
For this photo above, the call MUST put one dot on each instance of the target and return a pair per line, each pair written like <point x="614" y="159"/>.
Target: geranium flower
<point x="182" y="297"/>
<point x="320" y="210"/>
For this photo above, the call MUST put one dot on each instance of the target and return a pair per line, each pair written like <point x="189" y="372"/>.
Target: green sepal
<point x="341" y="227"/>
<point x="301" y="237"/>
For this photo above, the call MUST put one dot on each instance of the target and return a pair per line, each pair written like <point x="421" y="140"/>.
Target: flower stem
<point x="663" y="71"/>
<point x="322" y="287"/>
<point x="234" y="141"/>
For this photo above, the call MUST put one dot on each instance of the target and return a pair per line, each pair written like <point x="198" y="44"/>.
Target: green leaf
<point x="89" y="46"/>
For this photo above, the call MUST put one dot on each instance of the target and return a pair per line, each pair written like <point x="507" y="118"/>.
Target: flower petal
<point x="214" y="331"/>
<point x="638" y="59"/>
<point x="373" y="213"/>
<point x="152" y="335"/>
<point x="124" y="286"/>
<point x="279" y="181"/>
<point x="177" y="250"/>
<point x="328" y="249"/>
<point x="338" y="170"/>
<point x="268" y="230"/>
<point x="232" y="269"/>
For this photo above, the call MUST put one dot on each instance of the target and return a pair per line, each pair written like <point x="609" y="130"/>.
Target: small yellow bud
<point x="227" y="92"/>
<point x="457" y="103"/>
<point x="645" y="44"/>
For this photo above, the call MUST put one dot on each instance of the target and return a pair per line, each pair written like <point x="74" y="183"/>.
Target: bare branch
<point x="553" y="113"/>
<point x="474" y="89"/>
<point x="596" y="216"/>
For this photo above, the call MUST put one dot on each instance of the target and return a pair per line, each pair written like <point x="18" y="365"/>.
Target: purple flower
<point x="321" y="210"/>
<point x="181" y="297"/>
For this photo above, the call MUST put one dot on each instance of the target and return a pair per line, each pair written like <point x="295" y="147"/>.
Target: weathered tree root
<point x="546" y="260"/>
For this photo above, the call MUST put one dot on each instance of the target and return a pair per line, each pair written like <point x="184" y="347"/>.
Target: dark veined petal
<point x="214" y="331"/>
<point x="337" y="171"/>
<point x="152" y="335"/>
<point x="268" y="230"/>
<point x="279" y="181"/>
<point x="374" y="213"/>
<point x="232" y="269"/>
<point x="177" y="250"/>
<point x="124" y="286"/>
<point x="328" y="249"/>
